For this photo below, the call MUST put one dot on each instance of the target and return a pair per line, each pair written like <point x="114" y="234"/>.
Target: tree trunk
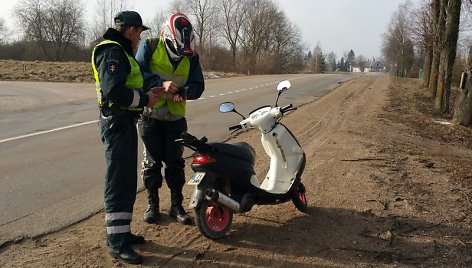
<point x="233" y="54"/>
<point x="429" y="46"/>
<point x="463" y="108"/>
<point x="438" y="13"/>
<point x="427" y="67"/>
<point x="448" y="55"/>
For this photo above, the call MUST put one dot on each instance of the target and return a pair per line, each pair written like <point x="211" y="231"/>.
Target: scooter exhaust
<point x="222" y="199"/>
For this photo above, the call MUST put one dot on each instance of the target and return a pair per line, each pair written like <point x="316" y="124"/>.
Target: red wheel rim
<point x="217" y="217"/>
<point x="302" y="197"/>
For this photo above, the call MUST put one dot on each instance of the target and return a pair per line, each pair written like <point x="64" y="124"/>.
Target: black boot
<point x="136" y="239"/>
<point x="152" y="213"/>
<point x="176" y="210"/>
<point x="127" y="254"/>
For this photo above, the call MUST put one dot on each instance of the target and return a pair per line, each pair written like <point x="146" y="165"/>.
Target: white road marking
<point x="48" y="131"/>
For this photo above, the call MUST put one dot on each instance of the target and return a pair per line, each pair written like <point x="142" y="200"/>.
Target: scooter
<point x="224" y="179"/>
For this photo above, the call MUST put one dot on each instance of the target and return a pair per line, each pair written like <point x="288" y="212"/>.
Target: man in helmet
<point x="172" y="61"/>
<point x="121" y="98"/>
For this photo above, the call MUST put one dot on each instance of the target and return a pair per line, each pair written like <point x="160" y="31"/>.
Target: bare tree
<point x="53" y="24"/>
<point x="463" y="108"/>
<point x="422" y="33"/>
<point x="232" y="19"/>
<point x="448" y="55"/>
<point x="181" y="6"/>
<point x="331" y="62"/>
<point x="284" y="44"/>
<point x="3" y="30"/>
<point x="156" y="24"/>
<point x="316" y="61"/>
<point x="255" y="33"/>
<point x="361" y="62"/>
<point x="397" y="44"/>
<point x="105" y="11"/>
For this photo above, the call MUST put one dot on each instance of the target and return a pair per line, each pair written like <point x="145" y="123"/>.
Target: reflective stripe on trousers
<point x="118" y="216"/>
<point x="119" y="229"/>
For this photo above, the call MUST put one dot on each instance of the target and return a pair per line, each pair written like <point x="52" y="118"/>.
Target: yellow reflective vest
<point x="134" y="79"/>
<point x="160" y="64"/>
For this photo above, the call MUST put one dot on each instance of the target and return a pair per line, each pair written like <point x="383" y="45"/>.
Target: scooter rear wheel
<point x="299" y="198"/>
<point x="213" y="220"/>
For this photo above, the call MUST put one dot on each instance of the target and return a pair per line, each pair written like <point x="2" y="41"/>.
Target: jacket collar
<point x="114" y="35"/>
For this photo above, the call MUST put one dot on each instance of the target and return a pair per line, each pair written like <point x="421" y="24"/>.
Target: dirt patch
<point x="387" y="187"/>
<point x="46" y="71"/>
<point x="80" y="72"/>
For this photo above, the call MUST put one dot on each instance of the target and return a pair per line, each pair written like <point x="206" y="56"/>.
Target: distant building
<point x="369" y="66"/>
<point x="376" y="66"/>
<point x="356" y="70"/>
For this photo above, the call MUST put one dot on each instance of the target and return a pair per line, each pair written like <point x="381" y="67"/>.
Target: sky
<point x="336" y="25"/>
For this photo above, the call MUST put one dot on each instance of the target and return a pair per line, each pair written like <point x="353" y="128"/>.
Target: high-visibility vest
<point x="160" y="64"/>
<point x="134" y="80"/>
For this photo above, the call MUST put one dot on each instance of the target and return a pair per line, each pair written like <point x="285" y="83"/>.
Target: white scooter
<point x="225" y="180"/>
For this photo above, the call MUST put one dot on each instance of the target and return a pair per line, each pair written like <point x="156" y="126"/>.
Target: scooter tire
<point x="213" y="220"/>
<point x="299" y="198"/>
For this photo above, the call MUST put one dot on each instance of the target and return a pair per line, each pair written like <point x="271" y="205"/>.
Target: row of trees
<point x="426" y="39"/>
<point x="317" y="62"/>
<point x="253" y="36"/>
<point x="249" y="36"/>
<point x="246" y="36"/>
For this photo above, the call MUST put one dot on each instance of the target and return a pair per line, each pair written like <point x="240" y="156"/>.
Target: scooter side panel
<point x="237" y="170"/>
<point x="286" y="158"/>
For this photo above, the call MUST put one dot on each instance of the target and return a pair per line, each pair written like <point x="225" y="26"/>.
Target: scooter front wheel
<point x="213" y="220"/>
<point x="299" y="198"/>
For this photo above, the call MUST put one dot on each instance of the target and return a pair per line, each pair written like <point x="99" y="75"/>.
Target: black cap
<point x="129" y="18"/>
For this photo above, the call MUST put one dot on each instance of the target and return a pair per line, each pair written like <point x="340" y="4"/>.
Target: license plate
<point x="196" y="178"/>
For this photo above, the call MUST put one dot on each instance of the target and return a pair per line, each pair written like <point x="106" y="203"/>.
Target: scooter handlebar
<point x="287" y="108"/>
<point x="235" y="127"/>
<point x="192" y="142"/>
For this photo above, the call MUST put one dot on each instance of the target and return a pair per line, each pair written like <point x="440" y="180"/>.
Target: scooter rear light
<point x="203" y="159"/>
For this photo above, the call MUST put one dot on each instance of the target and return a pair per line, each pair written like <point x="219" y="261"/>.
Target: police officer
<point x="172" y="61"/>
<point x="121" y="98"/>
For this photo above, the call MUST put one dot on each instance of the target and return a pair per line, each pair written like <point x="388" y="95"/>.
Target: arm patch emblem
<point x="112" y="67"/>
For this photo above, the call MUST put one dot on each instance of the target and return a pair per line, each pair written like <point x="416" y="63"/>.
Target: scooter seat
<point x="240" y="150"/>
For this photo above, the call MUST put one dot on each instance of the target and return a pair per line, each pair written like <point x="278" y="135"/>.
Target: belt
<point x="162" y="114"/>
<point x="118" y="120"/>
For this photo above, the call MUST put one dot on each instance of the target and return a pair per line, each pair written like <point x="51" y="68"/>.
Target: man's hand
<point x="154" y="94"/>
<point x="178" y="98"/>
<point x="170" y="87"/>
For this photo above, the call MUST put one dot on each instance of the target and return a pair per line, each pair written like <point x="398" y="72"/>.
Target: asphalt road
<point x="52" y="164"/>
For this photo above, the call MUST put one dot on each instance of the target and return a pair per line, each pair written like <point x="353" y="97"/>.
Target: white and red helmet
<point x="178" y="36"/>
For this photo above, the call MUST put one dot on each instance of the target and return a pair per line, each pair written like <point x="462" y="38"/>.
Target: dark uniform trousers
<point x="120" y="148"/>
<point x="160" y="146"/>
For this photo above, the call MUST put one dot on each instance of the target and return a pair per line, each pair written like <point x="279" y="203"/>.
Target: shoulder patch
<point x="112" y="67"/>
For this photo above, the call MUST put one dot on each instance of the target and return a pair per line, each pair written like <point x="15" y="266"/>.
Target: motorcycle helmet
<point x="178" y="36"/>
